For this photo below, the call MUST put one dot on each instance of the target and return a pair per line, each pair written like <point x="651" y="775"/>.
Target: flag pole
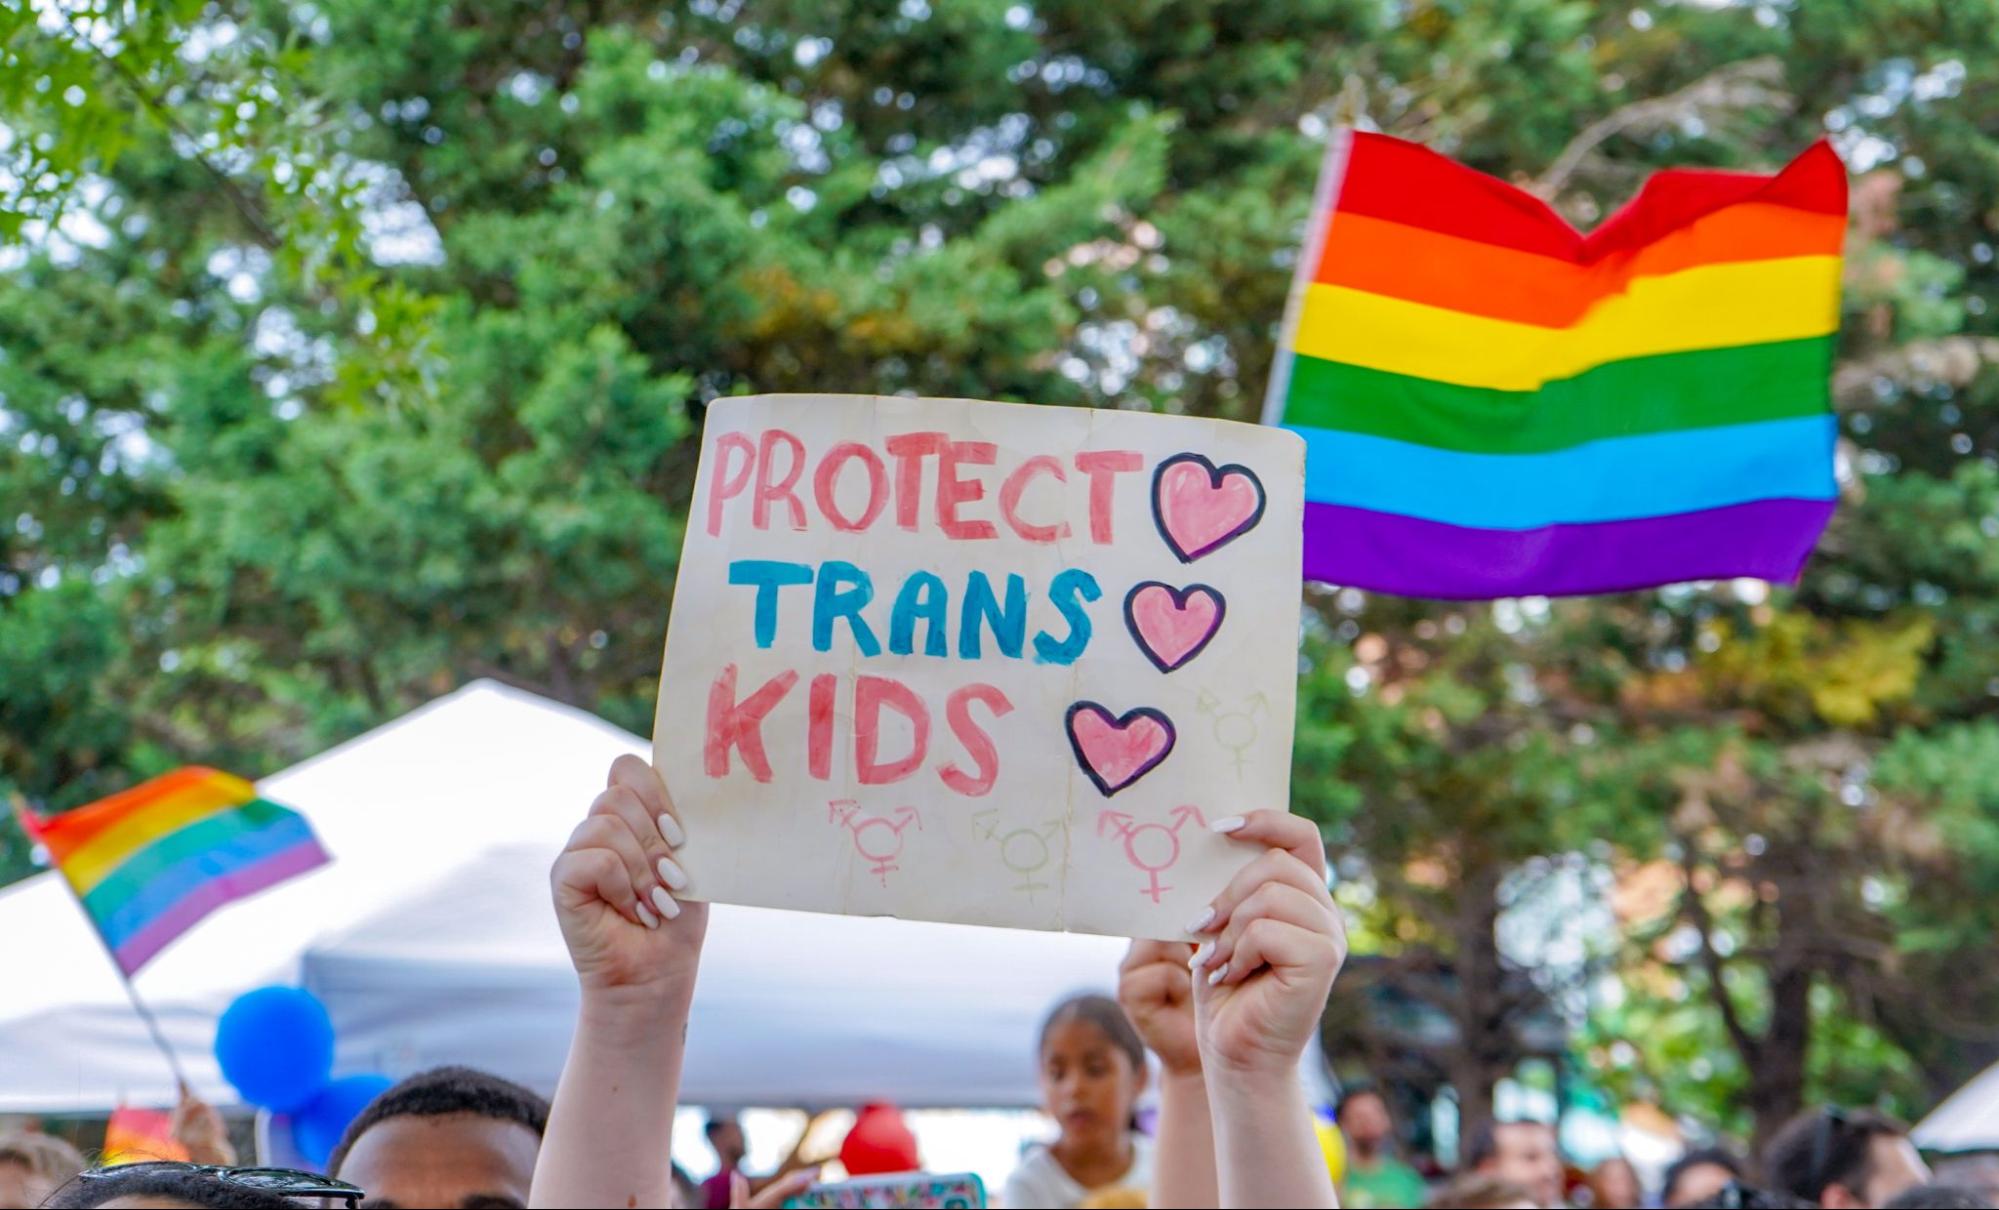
<point x="159" y="1036"/>
<point x="27" y="818"/>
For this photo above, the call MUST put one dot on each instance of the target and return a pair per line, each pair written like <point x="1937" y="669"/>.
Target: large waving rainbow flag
<point x="1494" y="405"/>
<point x="151" y="862"/>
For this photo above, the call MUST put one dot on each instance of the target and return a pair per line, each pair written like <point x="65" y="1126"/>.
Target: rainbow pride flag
<point x="1495" y="405"/>
<point x="136" y="1136"/>
<point x="149" y="863"/>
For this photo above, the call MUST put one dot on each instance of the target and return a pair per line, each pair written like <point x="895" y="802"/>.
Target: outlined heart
<point x="1200" y="507"/>
<point x="1115" y="752"/>
<point x="1171" y="625"/>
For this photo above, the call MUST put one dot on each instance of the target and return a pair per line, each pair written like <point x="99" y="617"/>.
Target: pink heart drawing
<point x="1171" y="625"/>
<point x="1200" y="506"/>
<point x="1116" y="752"/>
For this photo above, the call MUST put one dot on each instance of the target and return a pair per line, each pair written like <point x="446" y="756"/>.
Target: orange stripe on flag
<point x="72" y="828"/>
<point x="1394" y="260"/>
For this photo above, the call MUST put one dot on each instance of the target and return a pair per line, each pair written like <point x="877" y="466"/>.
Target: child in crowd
<point x="1092" y="1070"/>
<point x="1272" y="943"/>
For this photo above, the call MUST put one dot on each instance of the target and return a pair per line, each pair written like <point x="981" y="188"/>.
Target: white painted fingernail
<point x="1205" y="951"/>
<point x="671" y="874"/>
<point x="671" y="832"/>
<point x="1202" y="921"/>
<point x="1233" y="823"/>
<point x="664" y="902"/>
<point x="646" y="917"/>
<point x="1218" y="974"/>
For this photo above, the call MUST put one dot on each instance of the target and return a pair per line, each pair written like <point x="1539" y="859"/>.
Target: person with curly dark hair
<point x="452" y="1137"/>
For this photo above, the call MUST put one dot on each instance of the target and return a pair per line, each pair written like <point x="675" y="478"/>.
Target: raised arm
<point x="1260" y="985"/>
<point x="1156" y="991"/>
<point x="636" y="950"/>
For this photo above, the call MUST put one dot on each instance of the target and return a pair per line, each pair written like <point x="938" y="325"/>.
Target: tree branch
<point x="1694" y="908"/>
<point x="252" y="214"/>
<point x="1734" y="86"/>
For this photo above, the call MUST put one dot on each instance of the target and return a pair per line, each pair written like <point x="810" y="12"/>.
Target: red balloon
<point x="879" y="1143"/>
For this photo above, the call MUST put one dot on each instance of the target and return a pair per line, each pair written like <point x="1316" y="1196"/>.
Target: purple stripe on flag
<point x="1386" y="552"/>
<point x="205" y="897"/>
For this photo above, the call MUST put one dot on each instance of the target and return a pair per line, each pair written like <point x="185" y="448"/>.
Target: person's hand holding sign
<point x="1275" y="942"/>
<point x="636" y="948"/>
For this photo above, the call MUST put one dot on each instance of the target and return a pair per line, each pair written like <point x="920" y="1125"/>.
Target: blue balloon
<point x="275" y="1046"/>
<point x="316" y="1129"/>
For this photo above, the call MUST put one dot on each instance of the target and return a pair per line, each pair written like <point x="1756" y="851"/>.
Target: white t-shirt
<point x="1041" y="1183"/>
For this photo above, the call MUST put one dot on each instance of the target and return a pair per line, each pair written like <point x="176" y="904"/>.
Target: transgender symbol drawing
<point x="1025" y="851"/>
<point x="1152" y="848"/>
<point x="877" y="838"/>
<point x="1236" y="728"/>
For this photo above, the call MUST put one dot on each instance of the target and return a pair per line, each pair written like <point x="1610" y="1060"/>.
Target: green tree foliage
<point x="350" y="351"/>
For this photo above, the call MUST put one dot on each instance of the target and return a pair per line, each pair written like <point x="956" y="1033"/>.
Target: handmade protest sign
<point x="980" y="662"/>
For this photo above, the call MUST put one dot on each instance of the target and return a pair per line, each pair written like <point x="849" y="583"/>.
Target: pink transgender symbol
<point x="877" y="838"/>
<point x="1151" y="847"/>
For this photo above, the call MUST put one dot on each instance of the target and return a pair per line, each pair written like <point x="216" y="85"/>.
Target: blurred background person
<point x="1374" y="1176"/>
<point x="1698" y="1175"/>
<point x="1092" y="1070"/>
<point x="1474" y="1191"/>
<point x="32" y="1166"/>
<point x="1614" y="1185"/>
<point x="1524" y="1154"/>
<point x="1843" y="1157"/>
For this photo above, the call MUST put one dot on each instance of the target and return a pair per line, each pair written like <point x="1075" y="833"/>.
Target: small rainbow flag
<point x="1495" y="405"/>
<point x="135" y="1136"/>
<point x="149" y="863"/>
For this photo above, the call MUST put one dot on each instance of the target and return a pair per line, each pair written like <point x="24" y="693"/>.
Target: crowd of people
<point x="1221" y="1021"/>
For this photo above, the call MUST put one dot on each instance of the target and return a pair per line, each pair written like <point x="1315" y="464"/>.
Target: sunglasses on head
<point x="1737" y="1196"/>
<point x="285" y="1182"/>
<point x="1831" y="1125"/>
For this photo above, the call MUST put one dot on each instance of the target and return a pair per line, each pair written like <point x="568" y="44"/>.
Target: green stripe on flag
<point x="1703" y="389"/>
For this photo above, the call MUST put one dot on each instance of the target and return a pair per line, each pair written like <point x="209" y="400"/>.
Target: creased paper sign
<point x="980" y="662"/>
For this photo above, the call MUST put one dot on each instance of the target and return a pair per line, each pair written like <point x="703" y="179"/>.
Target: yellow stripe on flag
<point x="91" y="863"/>
<point x="1714" y="306"/>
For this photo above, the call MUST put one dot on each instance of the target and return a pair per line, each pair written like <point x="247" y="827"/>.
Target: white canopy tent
<point x="431" y="941"/>
<point x="1967" y="1120"/>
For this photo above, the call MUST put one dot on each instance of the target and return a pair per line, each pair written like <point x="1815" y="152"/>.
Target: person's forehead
<point x="1898" y="1150"/>
<point x="461" y="1146"/>
<point x="1526" y="1134"/>
<point x="1081" y="1036"/>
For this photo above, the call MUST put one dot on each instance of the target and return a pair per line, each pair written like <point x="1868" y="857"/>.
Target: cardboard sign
<point x="980" y="662"/>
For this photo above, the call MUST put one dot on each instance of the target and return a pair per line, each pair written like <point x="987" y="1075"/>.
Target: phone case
<point x="925" y="1190"/>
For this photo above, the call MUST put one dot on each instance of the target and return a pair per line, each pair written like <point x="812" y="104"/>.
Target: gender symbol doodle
<point x="1235" y="729"/>
<point x="1025" y="851"/>
<point x="1151" y="847"/>
<point x="877" y="838"/>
